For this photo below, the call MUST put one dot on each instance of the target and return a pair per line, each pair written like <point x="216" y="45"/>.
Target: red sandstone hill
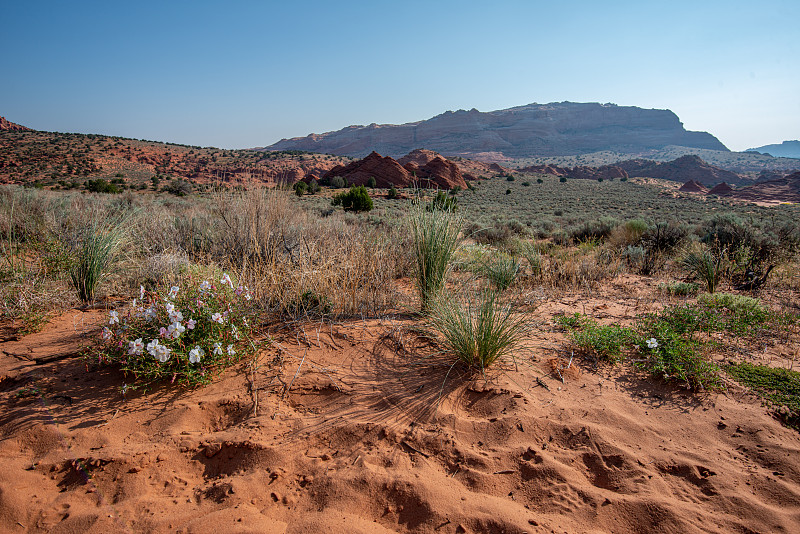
<point x="786" y="189"/>
<point x="426" y="168"/>
<point x="606" y="172"/>
<point x="7" y="125"/>
<point x="685" y="168"/>
<point x="721" y="190"/>
<point x="693" y="186"/>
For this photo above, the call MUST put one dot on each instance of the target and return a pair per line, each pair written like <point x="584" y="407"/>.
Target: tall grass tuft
<point x="706" y="267"/>
<point x="97" y="249"/>
<point x="479" y="329"/>
<point x="501" y="271"/>
<point x="435" y="238"/>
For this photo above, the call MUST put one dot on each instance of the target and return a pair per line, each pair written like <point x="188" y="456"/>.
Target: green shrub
<point x="337" y="182"/>
<point x="605" y="342"/>
<point x="313" y="186"/>
<point x="562" y="179"/>
<point x="101" y="186"/>
<point x="510" y="178"/>
<point x="185" y="335"/>
<point x="477" y="330"/>
<point x="539" y="181"/>
<point x="371" y="182"/>
<point x="357" y="199"/>
<point x="392" y="194"/>
<point x="300" y="188"/>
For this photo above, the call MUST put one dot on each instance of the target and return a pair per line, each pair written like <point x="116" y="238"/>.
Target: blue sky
<point x="241" y="74"/>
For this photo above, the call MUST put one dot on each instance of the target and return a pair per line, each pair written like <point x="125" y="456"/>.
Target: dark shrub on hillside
<point x="357" y="199"/>
<point x="101" y="186"/>
<point x="443" y="202"/>
<point x="337" y="182"/>
<point x="300" y="188"/>
<point x="597" y="229"/>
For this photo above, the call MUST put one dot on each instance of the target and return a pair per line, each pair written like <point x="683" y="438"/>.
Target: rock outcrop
<point x="721" y="190"/>
<point x="423" y="167"/>
<point x="693" y="186"/>
<point x="554" y="129"/>
<point x="787" y="149"/>
<point x="583" y="172"/>
<point x="786" y="189"/>
<point x="685" y="168"/>
<point x="7" y="125"/>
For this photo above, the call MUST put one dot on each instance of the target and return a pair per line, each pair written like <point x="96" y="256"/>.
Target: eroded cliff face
<point x="533" y="130"/>
<point x="7" y="125"/>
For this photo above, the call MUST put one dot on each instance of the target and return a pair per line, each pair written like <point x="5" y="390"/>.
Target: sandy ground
<point x="378" y="433"/>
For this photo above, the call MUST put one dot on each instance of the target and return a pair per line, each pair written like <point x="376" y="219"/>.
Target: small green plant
<point x="392" y="194"/>
<point x="101" y="186"/>
<point x="510" y="178"/>
<point x="563" y="179"/>
<point x="435" y="238"/>
<point x="97" y="250"/>
<point x="680" y="289"/>
<point x="357" y="199"/>
<point x="300" y="188"/>
<point x="185" y="335"/>
<point x="605" y="342"/>
<point x="779" y="388"/>
<point x="539" y="181"/>
<point x="670" y="355"/>
<point x="372" y="183"/>
<point x="477" y="329"/>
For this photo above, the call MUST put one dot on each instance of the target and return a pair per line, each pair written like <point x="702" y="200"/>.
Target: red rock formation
<point x="426" y="168"/>
<point x="693" y="186"/>
<point x="786" y="189"/>
<point x="10" y="126"/>
<point x="721" y="190"/>
<point x="606" y="172"/>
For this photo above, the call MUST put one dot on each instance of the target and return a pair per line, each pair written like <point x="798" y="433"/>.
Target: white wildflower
<point x="231" y="352"/>
<point x="217" y="349"/>
<point x="152" y="347"/>
<point x="176" y="329"/>
<point x="162" y="353"/>
<point x="149" y="314"/>
<point x="652" y="343"/>
<point x="190" y="324"/>
<point x="113" y="317"/>
<point x="135" y="347"/>
<point x="226" y="280"/>
<point x="173" y="292"/>
<point x="141" y="292"/>
<point x="195" y="354"/>
<point x="175" y="316"/>
<point x="205" y="286"/>
<point x="218" y="318"/>
<point x="106" y="333"/>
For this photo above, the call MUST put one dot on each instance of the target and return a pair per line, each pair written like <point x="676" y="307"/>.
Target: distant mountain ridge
<point x="787" y="149"/>
<point x="535" y="129"/>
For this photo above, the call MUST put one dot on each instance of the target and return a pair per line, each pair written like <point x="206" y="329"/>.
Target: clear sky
<point x="241" y="74"/>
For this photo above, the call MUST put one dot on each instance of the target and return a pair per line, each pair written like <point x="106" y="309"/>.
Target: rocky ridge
<point x="536" y="129"/>
<point x="7" y="125"/>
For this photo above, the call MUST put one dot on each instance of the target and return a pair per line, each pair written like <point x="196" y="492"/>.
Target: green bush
<point x="357" y="199"/>
<point x="680" y="289"/>
<point x="300" y="188"/>
<point x="371" y="182"/>
<point x="392" y="194"/>
<point x="185" y="335"/>
<point x="337" y="182"/>
<point x="313" y="187"/>
<point x="101" y="186"/>
<point x="562" y="179"/>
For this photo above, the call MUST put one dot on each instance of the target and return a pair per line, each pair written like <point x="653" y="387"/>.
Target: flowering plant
<point x="184" y="334"/>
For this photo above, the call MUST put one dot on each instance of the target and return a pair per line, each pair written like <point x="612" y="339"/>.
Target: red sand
<point x="359" y="445"/>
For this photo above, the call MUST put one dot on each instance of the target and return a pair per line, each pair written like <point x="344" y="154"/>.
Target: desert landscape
<point x="419" y="268"/>
<point x="572" y="370"/>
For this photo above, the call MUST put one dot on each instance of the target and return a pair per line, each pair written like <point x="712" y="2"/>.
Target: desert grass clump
<point x="477" y="329"/>
<point x="501" y="270"/>
<point x="705" y="266"/>
<point x="98" y="248"/>
<point x="435" y="238"/>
